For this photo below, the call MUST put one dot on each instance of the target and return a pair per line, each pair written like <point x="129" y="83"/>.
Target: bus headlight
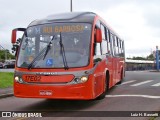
<point x="84" y="79"/>
<point x="18" y="79"/>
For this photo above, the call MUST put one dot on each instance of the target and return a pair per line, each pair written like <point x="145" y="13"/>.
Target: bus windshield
<point x="41" y="46"/>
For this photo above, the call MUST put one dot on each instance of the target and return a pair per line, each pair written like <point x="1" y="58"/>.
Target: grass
<point x="6" y="79"/>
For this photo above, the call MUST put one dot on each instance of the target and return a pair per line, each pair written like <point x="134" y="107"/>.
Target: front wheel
<point x="106" y="85"/>
<point x="122" y="77"/>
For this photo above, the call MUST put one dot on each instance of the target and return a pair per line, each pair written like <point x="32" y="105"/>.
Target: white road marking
<point x="128" y="82"/>
<point x="157" y="84"/>
<point x="137" y="84"/>
<point x="145" y="96"/>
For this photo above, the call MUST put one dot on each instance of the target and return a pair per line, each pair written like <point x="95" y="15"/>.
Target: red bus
<point x="67" y="56"/>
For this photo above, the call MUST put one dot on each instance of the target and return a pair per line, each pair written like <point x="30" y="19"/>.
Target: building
<point x="132" y="65"/>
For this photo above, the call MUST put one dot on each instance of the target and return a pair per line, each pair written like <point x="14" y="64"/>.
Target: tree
<point x="138" y="58"/>
<point x="4" y="53"/>
<point x="150" y="57"/>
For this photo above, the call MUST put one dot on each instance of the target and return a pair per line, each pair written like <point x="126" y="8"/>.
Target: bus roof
<point x="67" y="17"/>
<point x="71" y="17"/>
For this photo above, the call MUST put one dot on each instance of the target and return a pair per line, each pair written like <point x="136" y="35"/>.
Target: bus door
<point x="114" y="60"/>
<point x="109" y="58"/>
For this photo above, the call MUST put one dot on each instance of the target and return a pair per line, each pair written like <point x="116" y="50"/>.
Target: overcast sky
<point x="136" y="21"/>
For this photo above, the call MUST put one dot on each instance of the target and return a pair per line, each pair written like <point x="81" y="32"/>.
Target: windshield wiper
<point x="63" y="53"/>
<point x="41" y="54"/>
<point x="48" y="47"/>
<point x="36" y="58"/>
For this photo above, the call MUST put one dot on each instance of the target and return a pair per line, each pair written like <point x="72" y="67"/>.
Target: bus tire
<point x="102" y="96"/>
<point x="122" y="77"/>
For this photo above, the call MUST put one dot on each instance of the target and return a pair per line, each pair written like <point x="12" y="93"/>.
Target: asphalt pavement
<point x="6" y="92"/>
<point x="138" y="92"/>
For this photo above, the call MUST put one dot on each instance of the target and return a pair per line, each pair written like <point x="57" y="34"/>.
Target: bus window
<point x="72" y="34"/>
<point x="104" y="40"/>
<point x="116" y="46"/>
<point x="109" y="42"/>
<point x="98" y="49"/>
<point x="120" y="48"/>
<point x="98" y="24"/>
<point x="103" y="32"/>
<point x="107" y="35"/>
<point x="112" y="44"/>
<point x="104" y="47"/>
<point x="122" y="45"/>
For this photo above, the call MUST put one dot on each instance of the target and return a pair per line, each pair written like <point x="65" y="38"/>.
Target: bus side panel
<point x="99" y="78"/>
<point x="114" y="68"/>
<point x="121" y="67"/>
<point x="118" y="71"/>
<point x="110" y="69"/>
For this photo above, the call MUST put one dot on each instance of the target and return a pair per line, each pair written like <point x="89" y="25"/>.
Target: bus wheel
<point x="102" y="96"/>
<point x="121" y="78"/>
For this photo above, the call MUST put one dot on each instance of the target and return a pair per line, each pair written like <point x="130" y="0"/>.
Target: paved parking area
<point x="6" y="70"/>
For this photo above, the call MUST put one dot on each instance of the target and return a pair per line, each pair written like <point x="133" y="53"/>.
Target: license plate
<point x="45" y="92"/>
<point x="32" y="78"/>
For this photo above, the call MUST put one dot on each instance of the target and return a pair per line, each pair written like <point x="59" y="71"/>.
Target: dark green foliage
<point x="4" y="53"/>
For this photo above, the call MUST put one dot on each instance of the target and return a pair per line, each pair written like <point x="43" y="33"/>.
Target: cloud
<point x="152" y="16"/>
<point x="137" y="21"/>
<point x="18" y="13"/>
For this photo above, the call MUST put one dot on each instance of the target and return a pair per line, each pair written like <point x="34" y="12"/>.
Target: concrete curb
<point x="6" y="95"/>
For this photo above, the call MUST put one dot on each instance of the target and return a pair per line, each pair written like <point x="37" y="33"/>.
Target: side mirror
<point x="14" y="40"/>
<point x="98" y="35"/>
<point x="14" y="36"/>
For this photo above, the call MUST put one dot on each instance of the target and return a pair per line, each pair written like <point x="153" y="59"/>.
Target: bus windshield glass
<point x="41" y="45"/>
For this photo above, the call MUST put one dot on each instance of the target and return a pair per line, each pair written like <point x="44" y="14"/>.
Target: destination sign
<point x="64" y="28"/>
<point x="57" y="28"/>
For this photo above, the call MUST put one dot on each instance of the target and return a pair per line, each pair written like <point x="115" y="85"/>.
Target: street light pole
<point x="71" y="6"/>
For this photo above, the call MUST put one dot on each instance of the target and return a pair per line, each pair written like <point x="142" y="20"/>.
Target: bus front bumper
<point x="73" y="91"/>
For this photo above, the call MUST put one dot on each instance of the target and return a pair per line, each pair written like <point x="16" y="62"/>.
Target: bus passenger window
<point x="108" y="42"/>
<point x="116" y="46"/>
<point x="104" y="47"/>
<point x="103" y="32"/>
<point x="98" y="49"/>
<point x="113" y="45"/>
<point x="120" y="49"/>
